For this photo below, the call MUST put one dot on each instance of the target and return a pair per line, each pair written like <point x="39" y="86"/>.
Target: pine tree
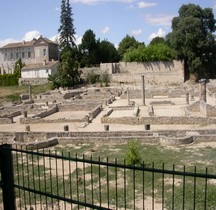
<point x="66" y="29"/>
<point x="68" y="74"/>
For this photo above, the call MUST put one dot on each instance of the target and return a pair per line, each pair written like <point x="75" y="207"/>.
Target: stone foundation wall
<point x="157" y="120"/>
<point x="6" y="120"/>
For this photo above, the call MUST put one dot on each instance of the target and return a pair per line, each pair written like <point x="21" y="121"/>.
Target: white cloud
<point x="159" y="33"/>
<point x="27" y="37"/>
<point x="31" y="35"/>
<point x="7" y="41"/>
<point x="161" y="19"/>
<point x="90" y="2"/>
<point x="144" y="4"/>
<point x="136" y="32"/>
<point x="55" y="38"/>
<point x="105" y="30"/>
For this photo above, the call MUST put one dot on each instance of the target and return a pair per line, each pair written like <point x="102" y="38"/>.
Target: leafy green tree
<point x="155" y="52"/>
<point x="89" y="49"/>
<point x="126" y="44"/>
<point x="193" y="39"/>
<point x="18" y="67"/>
<point x="108" y="52"/>
<point x="157" y="40"/>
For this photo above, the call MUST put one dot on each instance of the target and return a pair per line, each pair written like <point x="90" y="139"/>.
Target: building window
<point x="47" y="71"/>
<point x="44" y="52"/>
<point x="29" y="54"/>
<point x="23" y="54"/>
<point x="17" y="55"/>
<point x="5" y="56"/>
<point x="11" y="56"/>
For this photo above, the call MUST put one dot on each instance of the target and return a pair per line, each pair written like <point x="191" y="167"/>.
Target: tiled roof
<point x="39" y="65"/>
<point x="19" y="44"/>
<point x="27" y="43"/>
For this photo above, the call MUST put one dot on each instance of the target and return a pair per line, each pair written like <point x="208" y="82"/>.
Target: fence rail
<point x="48" y="179"/>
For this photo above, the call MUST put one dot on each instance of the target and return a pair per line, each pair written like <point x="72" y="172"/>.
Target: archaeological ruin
<point x="168" y="114"/>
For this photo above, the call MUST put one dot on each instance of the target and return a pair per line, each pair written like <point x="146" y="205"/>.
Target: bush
<point x="104" y="78"/>
<point x="91" y="77"/>
<point x="133" y="156"/>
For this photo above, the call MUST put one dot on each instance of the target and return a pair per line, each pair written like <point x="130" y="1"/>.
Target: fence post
<point x="7" y="177"/>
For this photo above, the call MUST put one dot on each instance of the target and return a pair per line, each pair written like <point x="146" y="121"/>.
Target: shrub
<point x="91" y="77"/>
<point x="104" y="78"/>
<point x="133" y="156"/>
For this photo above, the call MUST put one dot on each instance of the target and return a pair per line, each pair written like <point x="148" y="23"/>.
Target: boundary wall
<point x="158" y="72"/>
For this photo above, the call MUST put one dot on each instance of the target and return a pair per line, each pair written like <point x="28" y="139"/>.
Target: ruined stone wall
<point x="95" y="112"/>
<point x="6" y="120"/>
<point x="166" y="72"/>
<point x="157" y="120"/>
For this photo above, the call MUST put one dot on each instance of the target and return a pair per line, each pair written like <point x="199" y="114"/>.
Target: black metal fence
<point x="46" y="179"/>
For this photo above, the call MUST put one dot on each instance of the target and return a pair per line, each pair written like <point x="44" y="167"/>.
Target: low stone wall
<point x="39" y="118"/>
<point x="115" y="136"/>
<point x="164" y="140"/>
<point x="6" y="120"/>
<point x="33" y="81"/>
<point x="78" y="106"/>
<point x="95" y="112"/>
<point x="158" y="120"/>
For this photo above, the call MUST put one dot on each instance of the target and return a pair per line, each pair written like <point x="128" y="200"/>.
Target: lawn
<point x="123" y="188"/>
<point x="12" y="93"/>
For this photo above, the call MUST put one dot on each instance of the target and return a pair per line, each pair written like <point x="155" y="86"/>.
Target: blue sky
<point x="109" y="19"/>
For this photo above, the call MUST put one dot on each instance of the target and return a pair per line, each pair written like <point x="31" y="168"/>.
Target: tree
<point x="108" y="52"/>
<point x="157" y="40"/>
<point x="67" y="74"/>
<point x="127" y="43"/>
<point x="193" y="39"/>
<point x="154" y="52"/>
<point x="89" y="49"/>
<point x="66" y="29"/>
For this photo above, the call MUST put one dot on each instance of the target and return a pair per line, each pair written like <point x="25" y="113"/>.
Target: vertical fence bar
<point x="134" y="188"/>
<point x="153" y="186"/>
<point x="70" y="176"/>
<point x="33" y="174"/>
<point x="77" y="180"/>
<point x="84" y="180"/>
<point x="163" y="188"/>
<point x="50" y="177"/>
<point x="63" y="179"/>
<point x="125" y="192"/>
<point x="143" y="185"/>
<point x="183" y="204"/>
<point x="92" y="182"/>
<point x="99" y="180"/>
<point x="7" y="176"/>
<point x="45" y="184"/>
<point x="27" y="162"/>
<point x="206" y="185"/>
<point x="57" y="178"/>
<point x="116" y="178"/>
<point x="108" y="182"/>
<point x="39" y="176"/>
<point x="17" y="174"/>
<point x="173" y="189"/>
<point x="23" y="178"/>
<point x="194" y="189"/>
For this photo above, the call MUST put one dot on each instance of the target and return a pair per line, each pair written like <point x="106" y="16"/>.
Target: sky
<point x="110" y="20"/>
